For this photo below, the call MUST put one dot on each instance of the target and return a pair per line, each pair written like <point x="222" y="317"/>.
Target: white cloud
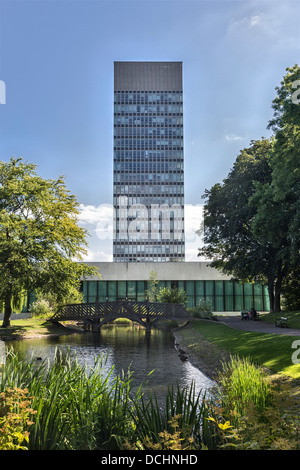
<point x="97" y="256"/>
<point x="232" y="137"/>
<point x="98" y="220"/>
<point x="93" y="214"/>
<point x="254" y="22"/>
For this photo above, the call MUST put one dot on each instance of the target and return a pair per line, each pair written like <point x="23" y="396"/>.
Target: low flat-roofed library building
<point x="198" y="279"/>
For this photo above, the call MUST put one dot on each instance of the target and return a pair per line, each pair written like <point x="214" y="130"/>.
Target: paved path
<point x="234" y="321"/>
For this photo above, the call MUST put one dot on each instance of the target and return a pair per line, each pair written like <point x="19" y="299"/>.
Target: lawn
<point x="268" y="350"/>
<point x="30" y="327"/>
<point x="293" y="318"/>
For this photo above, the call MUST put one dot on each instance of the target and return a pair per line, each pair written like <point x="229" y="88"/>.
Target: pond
<point x="124" y="347"/>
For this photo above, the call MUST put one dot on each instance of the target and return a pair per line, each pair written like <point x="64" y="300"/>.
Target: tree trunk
<point x="271" y="295"/>
<point x="278" y="284"/>
<point x="7" y="311"/>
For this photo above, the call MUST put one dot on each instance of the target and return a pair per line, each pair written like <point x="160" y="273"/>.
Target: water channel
<point x="124" y="347"/>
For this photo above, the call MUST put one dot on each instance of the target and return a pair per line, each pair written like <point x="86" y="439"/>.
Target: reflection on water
<point x="125" y="347"/>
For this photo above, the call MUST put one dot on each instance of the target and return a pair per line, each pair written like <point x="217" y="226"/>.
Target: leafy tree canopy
<point x="41" y="243"/>
<point x="252" y="219"/>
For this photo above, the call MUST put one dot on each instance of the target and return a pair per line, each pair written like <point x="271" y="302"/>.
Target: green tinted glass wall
<point x="219" y="296"/>
<point x="248" y="296"/>
<point x="122" y="294"/>
<point x="222" y="295"/>
<point x="131" y="289"/>
<point x="258" y="296"/>
<point x="190" y="293"/>
<point x="199" y="289"/>
<point x="238" y="297"/>
<point x="92" y="291"/>
<point x="209" y="293"/>
<point x="229" y="296"/>
<point x="141" y="287"/>
<point x="112" y="290"/>
<point x="102" y="290"/>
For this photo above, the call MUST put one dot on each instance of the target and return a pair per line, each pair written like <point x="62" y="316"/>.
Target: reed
<point x="76" y="407"/>
<point x="243" y="384"/>
<point x="80" y="408"/>
<point x="190" y="410"/>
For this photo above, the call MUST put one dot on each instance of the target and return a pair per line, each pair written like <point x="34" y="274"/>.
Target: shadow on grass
<point x="22" y="329"/>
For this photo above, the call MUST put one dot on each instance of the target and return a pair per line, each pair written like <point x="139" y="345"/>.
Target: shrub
<point x="203" y="310"/>
<point x="173" y="295"/>
<point x="39" y="308"/>
<point x="15" y="418"/>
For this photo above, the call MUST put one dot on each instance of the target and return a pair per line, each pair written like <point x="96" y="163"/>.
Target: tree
<point x="171" y="295"/>
<point x="252" y="219"/>
<point x="40" y="242"/>
<point x="152" y="290"/>
<point x="228" y="237"/>
<point x="277" y="202"/>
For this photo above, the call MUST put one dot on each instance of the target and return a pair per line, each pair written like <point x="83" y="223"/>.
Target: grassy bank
<point x="31" y="328"/>
<point x="293" y="318"/>
<point x="272" y="351"/>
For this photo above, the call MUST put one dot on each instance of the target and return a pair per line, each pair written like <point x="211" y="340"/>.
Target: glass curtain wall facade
<point x="223" y="296"/>
<point x="148" y="194"/>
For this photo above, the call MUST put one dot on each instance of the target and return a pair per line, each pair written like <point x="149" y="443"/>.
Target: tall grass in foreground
<point x="181" y="424"/>
<point x="80" y="408"/>
<point x="77" y="408"/>
<point x="261" y="412"/>
<point x="243" y="384"/>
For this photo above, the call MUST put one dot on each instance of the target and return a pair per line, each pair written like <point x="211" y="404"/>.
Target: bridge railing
<point x="101" y="309"/>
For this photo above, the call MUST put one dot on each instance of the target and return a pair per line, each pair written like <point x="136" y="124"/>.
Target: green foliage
<point x="256" y="408"/>
<point x="152" y="290"/>
<point x="243" y="384"/>
<point x="171" y="295"/>
<point x="76" y="407"/>
<point x="15" y="419"/>
<point x="175" y="439"/>
<point x="46" y="303"/>
<point x="228" y="237"/>
<point x="164" y="294"/>
<point x="252" y="219"/>
<point x="40" y="308"/>
<point x="17" y="302"/>
<point x="203" y="310"/>
<point x="40" y="240"/>
<point x="291" y="290"/>
<point x="180" y="424"/>
<point x="80" y="408"/>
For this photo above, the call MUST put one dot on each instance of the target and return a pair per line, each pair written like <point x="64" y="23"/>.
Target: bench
<point x="282" y="322"/>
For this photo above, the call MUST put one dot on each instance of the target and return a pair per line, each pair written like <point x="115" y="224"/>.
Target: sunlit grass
<point x="269" y="350"/>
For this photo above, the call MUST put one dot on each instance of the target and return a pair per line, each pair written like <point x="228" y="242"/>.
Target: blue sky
<point x="56" y="60"/>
